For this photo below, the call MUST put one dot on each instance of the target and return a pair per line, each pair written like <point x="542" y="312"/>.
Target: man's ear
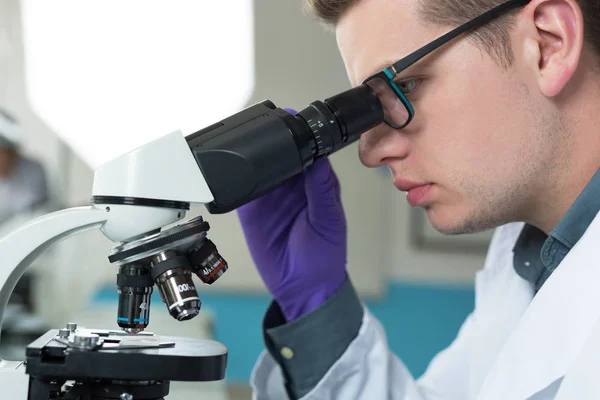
<point x="558" y="36"/>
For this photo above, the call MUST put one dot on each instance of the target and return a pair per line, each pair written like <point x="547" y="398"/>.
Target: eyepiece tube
<point x="341" y="119"/>
<point x="256" y="150"/>
<point x="357" y="110"/>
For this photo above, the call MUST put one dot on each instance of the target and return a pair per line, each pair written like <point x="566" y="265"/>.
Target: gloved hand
<point x="297" y="238"/>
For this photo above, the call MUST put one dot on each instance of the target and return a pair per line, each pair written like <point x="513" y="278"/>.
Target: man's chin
<point x="449" y="230"/>
<point x="441" y="223"/>
<point x="453" y="223"/>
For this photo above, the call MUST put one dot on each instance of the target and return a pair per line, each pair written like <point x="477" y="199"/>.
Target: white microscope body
<point x="144" y="173"/>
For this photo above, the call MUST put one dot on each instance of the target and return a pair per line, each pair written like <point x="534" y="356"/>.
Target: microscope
<point x="139" y="202"/>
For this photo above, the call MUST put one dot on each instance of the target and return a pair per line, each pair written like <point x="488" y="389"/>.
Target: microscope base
<point x="13" y="380"/>
<point x="44" y="388"/>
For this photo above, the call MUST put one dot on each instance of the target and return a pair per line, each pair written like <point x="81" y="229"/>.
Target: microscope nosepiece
<point x="173" y="276"/>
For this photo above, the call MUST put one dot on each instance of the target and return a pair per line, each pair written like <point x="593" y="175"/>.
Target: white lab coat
<point x="512" y="346"/>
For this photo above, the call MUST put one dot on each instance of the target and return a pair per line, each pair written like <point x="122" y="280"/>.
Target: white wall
<point x="297" y="62"/>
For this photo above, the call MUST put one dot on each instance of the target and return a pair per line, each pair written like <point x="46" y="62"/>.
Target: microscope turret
<point x="168" y="259"/>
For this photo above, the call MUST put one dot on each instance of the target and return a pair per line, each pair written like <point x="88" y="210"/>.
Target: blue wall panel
<point x="419" y="320"/>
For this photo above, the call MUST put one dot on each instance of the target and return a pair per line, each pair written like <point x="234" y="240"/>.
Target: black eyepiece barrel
<point x="256" y="150"/>
<point x="357" y="110"/>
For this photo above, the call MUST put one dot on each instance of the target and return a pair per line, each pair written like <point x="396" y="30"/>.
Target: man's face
<point x="482" y="136"/>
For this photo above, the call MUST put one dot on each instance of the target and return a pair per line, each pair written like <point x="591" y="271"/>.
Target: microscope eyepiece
<point x="256" y="150"/>
<point x="173" y="277"/>
<point x="340" y="120"/>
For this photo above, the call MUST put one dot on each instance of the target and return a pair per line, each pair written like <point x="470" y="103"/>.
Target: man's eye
<point x="408" y="86"/>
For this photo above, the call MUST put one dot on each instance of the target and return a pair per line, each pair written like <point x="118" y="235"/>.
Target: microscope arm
<point x="21" y="247"/>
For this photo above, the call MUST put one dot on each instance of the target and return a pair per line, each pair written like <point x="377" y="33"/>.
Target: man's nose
<point x="382" y="144"/>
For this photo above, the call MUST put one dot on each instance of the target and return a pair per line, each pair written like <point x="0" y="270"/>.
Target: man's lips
<point x="406" y="185"/>
<point x="416" y="192"/>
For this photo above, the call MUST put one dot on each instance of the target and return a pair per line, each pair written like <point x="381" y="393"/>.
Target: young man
<point x="494" y="125"/>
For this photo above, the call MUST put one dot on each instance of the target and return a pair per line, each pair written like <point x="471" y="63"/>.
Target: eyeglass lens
<point x="394" y="110"/>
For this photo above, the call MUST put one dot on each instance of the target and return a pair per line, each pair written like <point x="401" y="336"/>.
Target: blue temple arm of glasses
<point x="398" y="91"/>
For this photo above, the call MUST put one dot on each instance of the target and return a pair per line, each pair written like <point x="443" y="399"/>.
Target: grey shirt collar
<point x="537" y="255"/>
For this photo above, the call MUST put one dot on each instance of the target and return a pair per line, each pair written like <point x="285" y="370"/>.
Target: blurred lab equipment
<point x="23" y="183"/>
<point x="138" y="203"/>
<point x="23" y="196"/>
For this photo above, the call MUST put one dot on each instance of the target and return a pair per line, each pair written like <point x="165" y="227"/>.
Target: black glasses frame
<point x="388" y="74"/>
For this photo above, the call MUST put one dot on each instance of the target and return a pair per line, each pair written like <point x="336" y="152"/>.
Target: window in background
<point x="110" y="76"/>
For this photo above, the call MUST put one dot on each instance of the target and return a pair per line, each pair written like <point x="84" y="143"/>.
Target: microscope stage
<point x="166" y="358"/>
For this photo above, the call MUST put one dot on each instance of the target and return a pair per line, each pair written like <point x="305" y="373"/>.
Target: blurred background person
<point x="23" y="184"/>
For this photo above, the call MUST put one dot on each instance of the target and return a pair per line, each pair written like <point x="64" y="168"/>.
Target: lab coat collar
<point x="553" y="328"/>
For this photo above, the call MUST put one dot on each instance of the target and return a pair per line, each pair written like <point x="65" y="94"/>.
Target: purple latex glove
<point x="297" y="238"/>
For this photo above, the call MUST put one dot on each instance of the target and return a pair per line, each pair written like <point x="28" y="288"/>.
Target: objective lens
<point x="173" y="276"/>
<point x="207" y="263"/>
<point x="134" y="285"/>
